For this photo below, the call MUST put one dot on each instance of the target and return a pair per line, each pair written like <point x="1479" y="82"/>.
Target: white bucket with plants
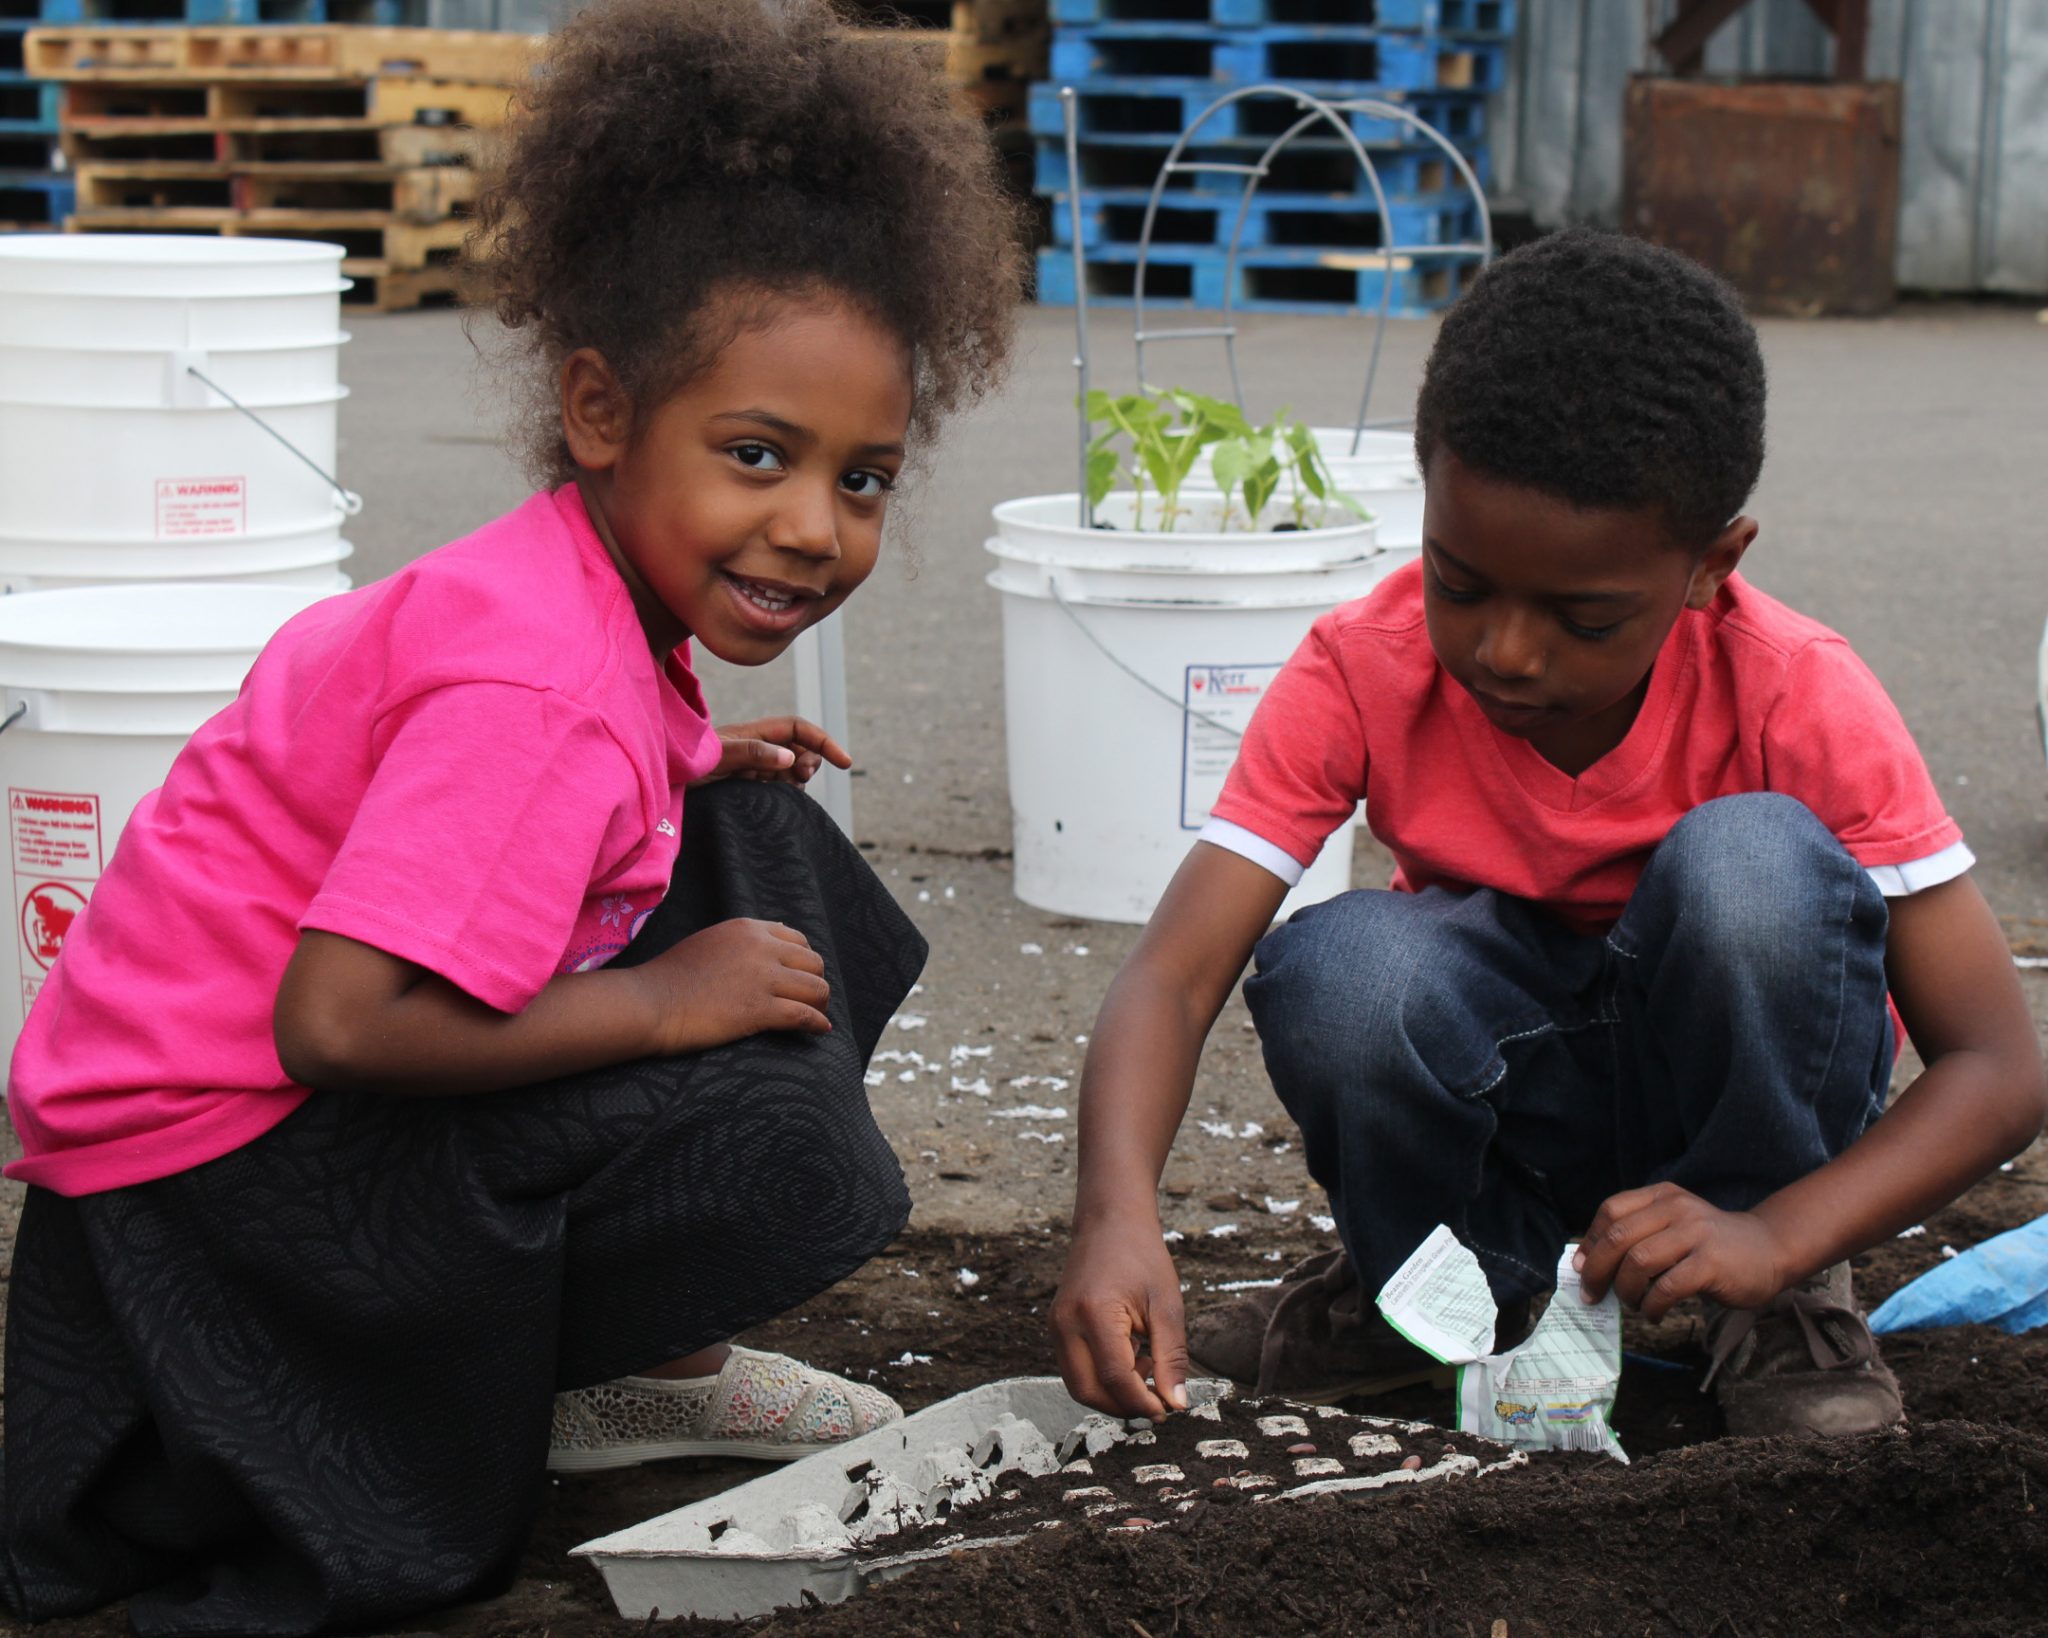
<point x="1376" y="469"/>
<point x="1136" y="646"/>
<point x="99" y="690"/>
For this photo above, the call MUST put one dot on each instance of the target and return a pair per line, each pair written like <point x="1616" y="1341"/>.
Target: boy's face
<point x="1551" y="616"/>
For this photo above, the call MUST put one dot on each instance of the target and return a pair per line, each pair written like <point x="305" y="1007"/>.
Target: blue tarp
<point x="2003" y="1282"/>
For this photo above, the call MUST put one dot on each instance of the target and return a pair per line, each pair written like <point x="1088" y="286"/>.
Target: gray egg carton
<point x="765" y="1544"/>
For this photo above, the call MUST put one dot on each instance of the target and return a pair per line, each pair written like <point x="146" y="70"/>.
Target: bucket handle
<point x="1052" y="585"/>
<point x="351" y="502"/>
<point x="13" y="716"/>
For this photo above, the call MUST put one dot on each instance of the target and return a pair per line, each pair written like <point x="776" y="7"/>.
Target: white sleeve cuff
<point x="1247" y="845"/>
<point x="1917" y="875"/>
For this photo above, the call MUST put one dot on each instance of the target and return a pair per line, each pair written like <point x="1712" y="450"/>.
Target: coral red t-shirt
<point x="475" y="765"/>
<point x="1746" y="696"/>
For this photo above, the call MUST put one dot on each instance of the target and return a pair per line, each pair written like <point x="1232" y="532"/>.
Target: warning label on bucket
<point x="187" y="508"/>
<point x="56" y="849"/>
<point x="1219" y="701"/>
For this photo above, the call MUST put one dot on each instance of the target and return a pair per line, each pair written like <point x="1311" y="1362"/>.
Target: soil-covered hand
<point x="787" y="750"/>
<point x="1660" y="1245"/>
<point x="1118" y="1319"/>
<point x="732" y="980"/>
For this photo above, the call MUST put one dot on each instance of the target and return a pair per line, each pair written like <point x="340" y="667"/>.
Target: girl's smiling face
<point x="1550" y="615"/>
<point x="748" y="504"/>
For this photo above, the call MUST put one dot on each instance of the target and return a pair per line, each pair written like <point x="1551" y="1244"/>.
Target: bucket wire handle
<point x="1143" y="682"/>
<point x="351" y="502"/>
<point x="14" y="716"/>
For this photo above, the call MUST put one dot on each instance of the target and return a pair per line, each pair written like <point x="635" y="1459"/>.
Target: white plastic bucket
<point x="118" y="358"/>
<point x="146" y="558"/>
<point x="1131" y="663"/>
<point x="109" y="681"/>
<point x="322" y="577"/>
<point x="167" y="474"/>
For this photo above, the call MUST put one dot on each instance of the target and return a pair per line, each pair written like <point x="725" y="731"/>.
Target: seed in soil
<point x="1302" y="1449"/>
<point x="1411" y="1463"/>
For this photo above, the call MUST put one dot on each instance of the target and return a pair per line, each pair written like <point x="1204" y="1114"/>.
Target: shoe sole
<point x="595" y="1461"/>
<point x="1363" y="1387"/>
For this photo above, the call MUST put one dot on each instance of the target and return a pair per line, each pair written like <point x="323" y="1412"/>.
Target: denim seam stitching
<point x="1495" y="1078"/>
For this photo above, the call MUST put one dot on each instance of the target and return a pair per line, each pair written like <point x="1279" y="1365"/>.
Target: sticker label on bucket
<point x="187" y="508"/>
<point x="1219" y="701"/>
<point x="56" y="848"/>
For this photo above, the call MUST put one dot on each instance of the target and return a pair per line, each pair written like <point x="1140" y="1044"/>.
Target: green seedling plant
<point x="1160" y="436"/>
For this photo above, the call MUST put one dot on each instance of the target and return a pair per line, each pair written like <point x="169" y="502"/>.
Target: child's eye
<point x="1592" y="634"/>
<point x="868" y="485"/>
<point x="758" y="457"/>
<point x="1450" y="594"/>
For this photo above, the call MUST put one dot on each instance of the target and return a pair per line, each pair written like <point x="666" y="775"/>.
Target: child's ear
<point x="596" y="419"/>
<point x="1718" y="562"/>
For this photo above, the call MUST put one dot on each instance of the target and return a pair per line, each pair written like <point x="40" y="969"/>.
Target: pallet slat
<point x="279" y="53"/>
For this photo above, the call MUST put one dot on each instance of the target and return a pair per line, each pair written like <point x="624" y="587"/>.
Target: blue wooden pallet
<point x="1142" y="112"/>
<point x="158" y="13"/>
<point x="1445" y="16"/>
<point x="35" y="198"/>
<point x="1271" y="221"/>
<point x="28" y="107"/>
<point x="1319" y="165"/>
<point x="1310" y="57"/>
<point x="1266" y="281"/>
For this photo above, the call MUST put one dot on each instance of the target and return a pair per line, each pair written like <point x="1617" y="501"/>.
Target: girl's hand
<point x="1659" y="1245"/>
<point x="733" y="980"/>
<point x="788" y="750"/>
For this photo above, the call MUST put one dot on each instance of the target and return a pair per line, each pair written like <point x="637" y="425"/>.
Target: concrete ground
<point x="1908" y="472"/>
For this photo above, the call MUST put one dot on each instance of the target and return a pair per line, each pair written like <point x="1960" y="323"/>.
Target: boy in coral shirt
<point x="1665" y="853"/>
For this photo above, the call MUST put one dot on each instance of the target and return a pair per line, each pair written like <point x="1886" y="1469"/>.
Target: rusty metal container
<point x="1790" y="190"/>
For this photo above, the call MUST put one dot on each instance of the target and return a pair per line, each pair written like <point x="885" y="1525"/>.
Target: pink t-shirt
<point x="1746" y="696"/>
<point x="474" y="765"/>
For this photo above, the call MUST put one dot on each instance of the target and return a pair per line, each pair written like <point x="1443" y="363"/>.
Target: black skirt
<point x="308" y="1385"/>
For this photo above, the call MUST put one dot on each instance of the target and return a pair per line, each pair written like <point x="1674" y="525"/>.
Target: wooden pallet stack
<point x="990" y="49"/>
<point x="362" y="136"/>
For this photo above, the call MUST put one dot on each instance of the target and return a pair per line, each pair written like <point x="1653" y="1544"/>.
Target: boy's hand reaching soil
<point x="1657" y="1246"/>
<point x="786" y="750"/>
<point x="1118" y="1320"/>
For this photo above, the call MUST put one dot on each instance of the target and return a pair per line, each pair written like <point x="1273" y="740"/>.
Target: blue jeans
<point x="1464" y="1058"/>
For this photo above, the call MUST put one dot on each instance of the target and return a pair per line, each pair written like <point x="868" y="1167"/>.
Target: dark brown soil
<point x="1942" y="1529"/>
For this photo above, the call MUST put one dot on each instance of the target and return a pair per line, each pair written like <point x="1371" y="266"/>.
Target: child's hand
<point x="1121" y="1285"/>
<point x="1659" y="1245"/>
<point x="785" y="749"/>
<point x="733" y="980"/>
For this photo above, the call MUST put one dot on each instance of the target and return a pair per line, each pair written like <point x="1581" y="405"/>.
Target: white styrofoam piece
<point x="682" y="1563"/>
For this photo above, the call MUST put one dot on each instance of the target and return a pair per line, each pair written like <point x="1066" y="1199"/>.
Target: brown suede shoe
<point x="1804" y="1363"/>
<point x="1316" y="1337"/>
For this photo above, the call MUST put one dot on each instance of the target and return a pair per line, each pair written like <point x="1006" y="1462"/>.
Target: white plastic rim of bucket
<point x="185" y="473"/>
<point x="1051" y="524"/>
<point x="147" y="320"/>
<point x="106" y="378"/>
<point x="127" y="557"/>
<point x="324" y="575"/>
<point x="1045" y="575"/>
<point x="92" y="658"/>
<point x="165" y="264"/>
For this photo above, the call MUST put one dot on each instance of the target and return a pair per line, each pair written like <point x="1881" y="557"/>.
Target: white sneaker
<point x="761" y="1407"/>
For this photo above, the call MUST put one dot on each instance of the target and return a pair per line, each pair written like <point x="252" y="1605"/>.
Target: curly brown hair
<point x="669" y="153"/>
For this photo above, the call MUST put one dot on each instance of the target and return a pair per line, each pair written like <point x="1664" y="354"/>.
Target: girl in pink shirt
<point x="431" y="1091"/>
